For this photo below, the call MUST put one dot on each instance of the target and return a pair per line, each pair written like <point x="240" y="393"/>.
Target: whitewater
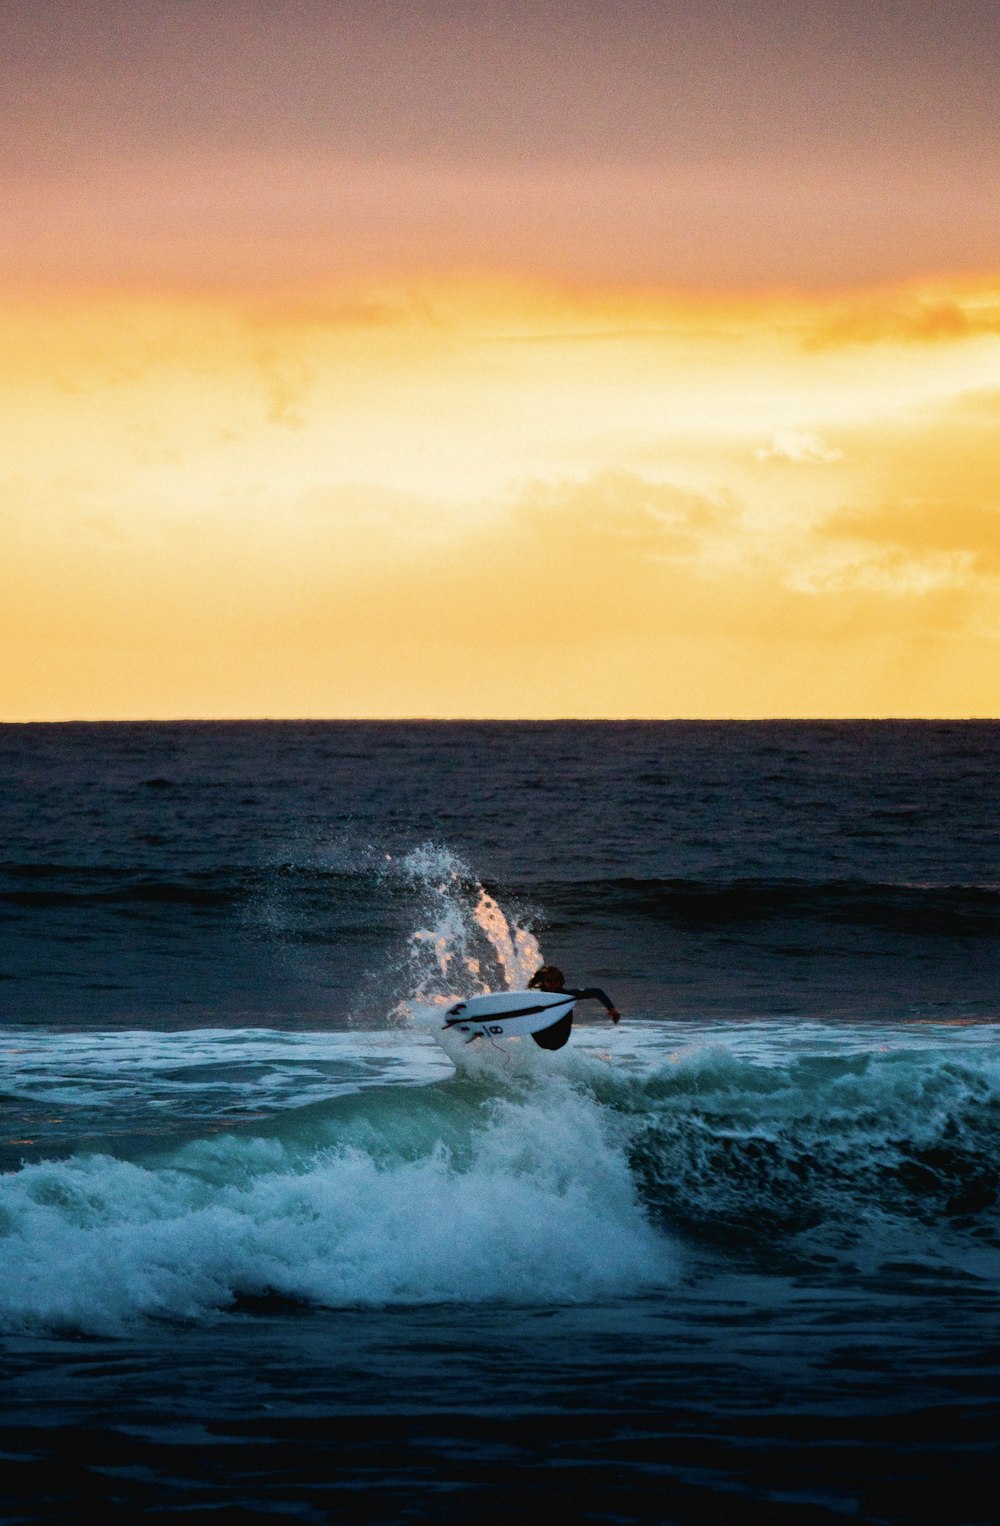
<point x="346" y="1172"/>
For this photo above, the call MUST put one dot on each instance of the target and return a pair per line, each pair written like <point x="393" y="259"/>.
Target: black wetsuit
<point x="556" y="1036"/>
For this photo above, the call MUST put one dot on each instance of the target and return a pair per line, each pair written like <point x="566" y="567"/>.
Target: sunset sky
<point x="468" y="359"/>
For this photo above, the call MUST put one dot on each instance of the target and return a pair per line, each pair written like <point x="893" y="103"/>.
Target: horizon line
<point x="502" y="720"/>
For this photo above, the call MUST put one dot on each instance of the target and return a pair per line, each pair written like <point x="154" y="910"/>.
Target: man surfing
<point x="549" y="978"/>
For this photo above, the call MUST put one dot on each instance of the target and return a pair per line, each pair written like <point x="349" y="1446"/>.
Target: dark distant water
<point x="265" y="1253"/>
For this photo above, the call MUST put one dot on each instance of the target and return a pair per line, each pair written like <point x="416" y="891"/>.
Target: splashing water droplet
<point x="470" y="944"/>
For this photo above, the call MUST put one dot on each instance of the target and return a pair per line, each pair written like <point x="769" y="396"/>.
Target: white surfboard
<point x="507" y="1014"/>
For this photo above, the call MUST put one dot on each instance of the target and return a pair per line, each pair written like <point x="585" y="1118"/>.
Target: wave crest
<point x="531" y="1201"/>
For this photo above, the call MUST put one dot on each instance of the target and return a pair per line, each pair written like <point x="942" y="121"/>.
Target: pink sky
<point x="786" y="143"/>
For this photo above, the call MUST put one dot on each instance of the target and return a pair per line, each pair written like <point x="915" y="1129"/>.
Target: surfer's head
<point x="548" y="978"/>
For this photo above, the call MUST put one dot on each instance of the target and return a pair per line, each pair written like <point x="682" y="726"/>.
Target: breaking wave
<point x="403" y="1199"/>
<point x="580" y="1177"/>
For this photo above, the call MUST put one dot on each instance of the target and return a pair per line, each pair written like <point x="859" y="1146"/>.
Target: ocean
<point x="267" y="1253"/>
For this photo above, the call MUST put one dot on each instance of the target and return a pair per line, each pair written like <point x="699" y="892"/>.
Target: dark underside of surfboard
<point x="556" y="1036"/>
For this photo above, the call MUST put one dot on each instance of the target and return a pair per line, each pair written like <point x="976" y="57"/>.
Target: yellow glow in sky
<point x="493" y="498"/>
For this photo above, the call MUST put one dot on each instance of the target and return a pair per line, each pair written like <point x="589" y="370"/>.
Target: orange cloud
<point x="909" y="318"/>
<point x="968" y="532"/>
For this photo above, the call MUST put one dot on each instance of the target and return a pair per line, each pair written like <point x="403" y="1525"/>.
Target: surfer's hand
<point x="615" y="1015"/>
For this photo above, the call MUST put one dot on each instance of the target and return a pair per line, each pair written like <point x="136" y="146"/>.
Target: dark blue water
<point x="263" y="1251"/>
<point x="224" y="873"/>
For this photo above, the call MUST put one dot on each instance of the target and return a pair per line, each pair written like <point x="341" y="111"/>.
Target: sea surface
<point x="267" y="1253"/>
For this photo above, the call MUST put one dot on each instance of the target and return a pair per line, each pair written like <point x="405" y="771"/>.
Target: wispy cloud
<point x="799" y="447"/>
<point x="893" y="318"/>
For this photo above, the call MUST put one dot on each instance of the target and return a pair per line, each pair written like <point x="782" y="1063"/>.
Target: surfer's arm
<point x="594" y="993"/>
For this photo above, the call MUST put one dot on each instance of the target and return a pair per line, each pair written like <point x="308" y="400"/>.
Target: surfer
<point x="549" y="978"/>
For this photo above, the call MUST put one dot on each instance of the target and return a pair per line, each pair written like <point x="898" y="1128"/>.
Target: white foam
<point x="203" y="1071"/>
<point x="538" y="1205"/>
